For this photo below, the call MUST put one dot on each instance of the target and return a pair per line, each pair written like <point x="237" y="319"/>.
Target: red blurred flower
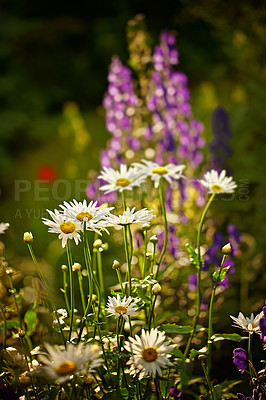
<point x="47" y="173"/>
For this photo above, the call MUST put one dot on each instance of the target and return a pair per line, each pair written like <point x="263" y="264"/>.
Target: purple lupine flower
<point x="262" y="324"/>
<point x="240" y="359"/>
<point x="174" y="392"/>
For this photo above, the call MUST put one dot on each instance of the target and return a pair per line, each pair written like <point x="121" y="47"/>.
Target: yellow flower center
<point x="216" y="188"/>
<point x="67" y="227"/>
<point x="121" y="309"/>
<point x="124" y="182"/>
<point x="80" y="216"/>
<point x="160" y="171"/>
<point x="149" y="354"/>
<point x="65" y="368"/>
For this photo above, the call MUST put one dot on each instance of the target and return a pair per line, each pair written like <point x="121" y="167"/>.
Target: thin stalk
<point x="65" y="284"/>
<point x="13" y="291"/>
<point x="100" y="273"/>
<point x="128" y="259"/>
<point x="250" y="354"/>
<point x="199" y="267"/>
<point x="5" y="324"/>
<point x="80" y="279"/>
<point x="153" y="256"/>
<point x="161" y="195"/>
<point x="104" y="355"/>
<point x="152" y="311"/>
<point x="208" y="380"/>
<point x="70" y="262"/>
<point x="210" y="331"/>
<point x="145" y="252"/>
<point x="120" y="280"/>
<point x="34" y="259"/>
<point x="123" y="194"/>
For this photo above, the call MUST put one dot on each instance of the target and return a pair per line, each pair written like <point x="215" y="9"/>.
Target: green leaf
<point x="178" y="353"/>
<point x="172" y="328"/>
<point x="227" y="336"/>
<point x="142" y="294"/>
<point x="31" y="319"/>
<point x="218" y="276"/>
<point x="10" y="324"/>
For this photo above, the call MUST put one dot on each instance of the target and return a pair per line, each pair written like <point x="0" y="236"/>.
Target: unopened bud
<point x="227" y="249"/>
<point x="154" y="239"/>
<point x="22" y="333"/>
<point x="76" y="267"/>
<point x="64" y="267"/>
<point x="156" y="289"/>
<point x="116" y="264"/>
<point x="28" y="237"/>
<point x="94" y="298"/>
<point x="97" y="244"/>
<point x="146" y="227"/>
<point x="9" y="271"/>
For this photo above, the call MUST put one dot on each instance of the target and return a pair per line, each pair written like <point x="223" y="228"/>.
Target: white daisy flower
<point x="121" y="308"/>
<point x="124" y="179"/>
<point x="62" y="365"/>
<point x="3" y="227"/>
<point x="67" y="229"/>
<point x="150" y="353"/>
<point x="250" y="325"/>
<point x="169" y="172"/>
<point x="77" y="211"/>
<point x="218" y="183"/>
<point x="130" y="217"/>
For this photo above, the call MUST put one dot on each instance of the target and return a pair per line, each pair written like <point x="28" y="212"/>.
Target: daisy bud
<point x="154" y="239"/>
<point x="88" y="380"/>
<point x="9" y="271"/>
<point x="116" y="264"/>
<point x="146" y="227"/>
<point x="156" y="289"/>
<point x="76" y="267"/>
<point x="28" y="237"/>
<point x="97" y="244"/>
<point x="94" y="298"/>
<point x="64" y="267"/>
<point x="22" y="333"/>
<point x="227" y="249"/>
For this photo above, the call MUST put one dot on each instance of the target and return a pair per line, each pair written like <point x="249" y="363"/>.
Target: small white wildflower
<point x="121" y="308"/>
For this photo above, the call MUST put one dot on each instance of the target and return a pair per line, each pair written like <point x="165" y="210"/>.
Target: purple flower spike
<point x="240" y="359"/>
<point x="262" y="325"/>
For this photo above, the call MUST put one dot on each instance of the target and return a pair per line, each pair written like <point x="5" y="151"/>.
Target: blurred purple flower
<point x="240" y="359"/>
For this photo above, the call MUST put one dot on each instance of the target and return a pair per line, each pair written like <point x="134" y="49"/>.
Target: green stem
<point x="5" y="324"/>
<point x="123" y="194"/>
<point x="210" y="331"/>
<point x="161" y="194"/>
<point x="100" y="273"/>
<point x="80" y="279"/>
<point x="199" y="267"/>
<point x="70" y="263"/>
<point x="152" y="311"/>
<point x="120" y="280"/>
<point x="13" y="291"/>
<point x="34" y="259"/>
<point x="65" y="284"/>
<point x="207" y="379"/>
<point x="250" y="354"/>
<point x="128" y="259"/>
<point x="145" y="252"/>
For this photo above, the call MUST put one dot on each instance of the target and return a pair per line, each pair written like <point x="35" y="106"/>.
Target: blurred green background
<point x="54" y="60"/>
